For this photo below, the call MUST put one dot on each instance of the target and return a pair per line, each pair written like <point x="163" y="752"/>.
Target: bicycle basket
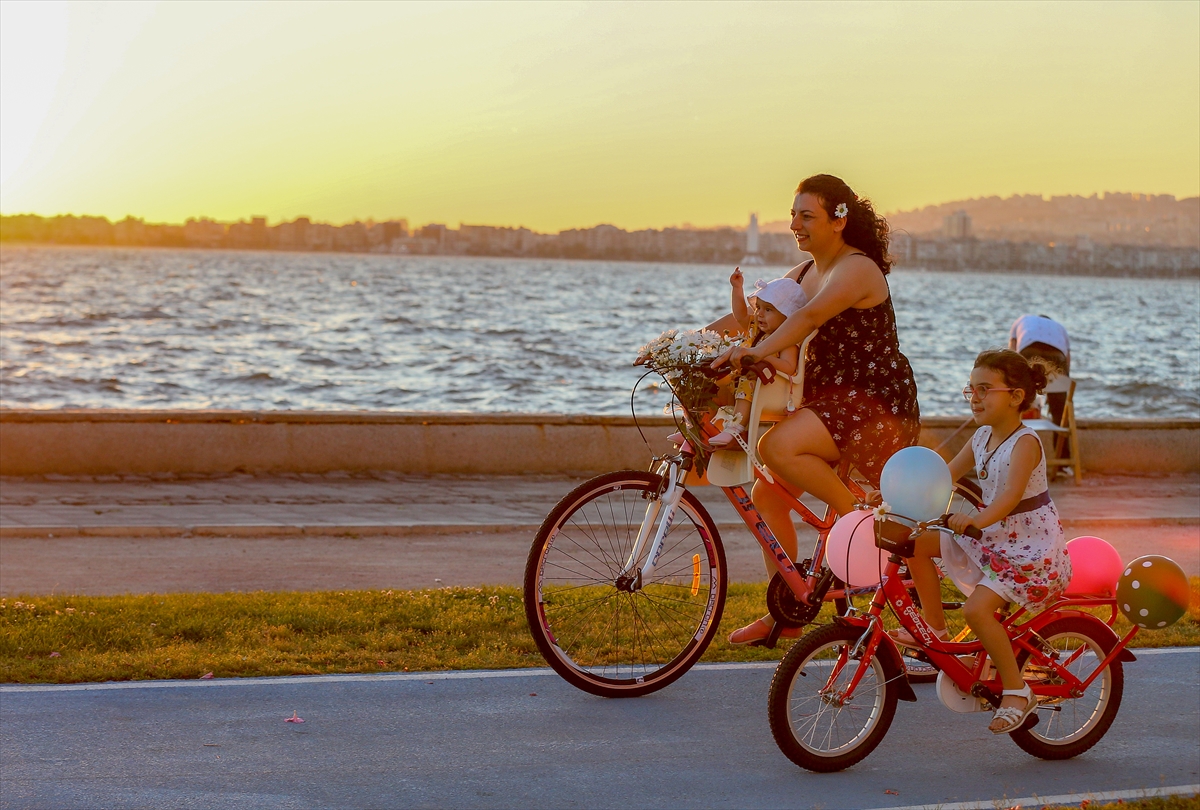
<point x="894" y="537"/>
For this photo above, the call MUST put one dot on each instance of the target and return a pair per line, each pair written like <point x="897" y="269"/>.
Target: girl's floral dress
<point x="1023" y="558"/>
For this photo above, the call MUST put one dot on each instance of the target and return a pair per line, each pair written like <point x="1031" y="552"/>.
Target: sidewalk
<point x="118" y="534"/>
<point x="338" y="504"/>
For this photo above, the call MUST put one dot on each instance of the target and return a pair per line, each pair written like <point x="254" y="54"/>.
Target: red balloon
<point x="1095" y="567"/>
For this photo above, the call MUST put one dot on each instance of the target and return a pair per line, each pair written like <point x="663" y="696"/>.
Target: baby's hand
<point x="959" y="522"/>
<point x="735" y="279"/>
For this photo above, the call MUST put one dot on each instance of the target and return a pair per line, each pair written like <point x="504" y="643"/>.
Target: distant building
<point x="957" y="225"/>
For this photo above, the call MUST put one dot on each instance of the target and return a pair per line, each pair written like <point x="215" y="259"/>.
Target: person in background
<point x="1038" y="336"/>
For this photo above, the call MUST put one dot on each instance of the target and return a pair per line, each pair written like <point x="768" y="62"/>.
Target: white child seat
<point x="734" y="467"/>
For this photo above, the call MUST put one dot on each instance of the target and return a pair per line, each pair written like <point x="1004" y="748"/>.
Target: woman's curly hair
<point x="864" y="229"/>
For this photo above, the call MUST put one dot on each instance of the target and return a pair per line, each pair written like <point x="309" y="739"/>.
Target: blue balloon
<point x="916" y="483"/>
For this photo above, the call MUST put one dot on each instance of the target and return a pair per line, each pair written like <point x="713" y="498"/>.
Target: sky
<point x="561" y="115"/>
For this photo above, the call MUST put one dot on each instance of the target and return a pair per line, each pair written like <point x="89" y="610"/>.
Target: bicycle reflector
<point x="1153" y="592"/>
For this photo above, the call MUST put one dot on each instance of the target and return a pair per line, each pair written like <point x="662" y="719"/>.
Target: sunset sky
<point x="560" y="115"/>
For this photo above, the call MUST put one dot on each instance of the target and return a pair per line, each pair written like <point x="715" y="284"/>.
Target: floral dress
<point x="861" y="387"/>
<point x="1023" y="558"/>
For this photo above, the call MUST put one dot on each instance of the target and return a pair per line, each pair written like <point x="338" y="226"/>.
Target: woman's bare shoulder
<point x="862" y="272"/>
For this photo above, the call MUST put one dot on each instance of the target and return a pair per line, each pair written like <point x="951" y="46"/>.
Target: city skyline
<point x="558" y="116"/>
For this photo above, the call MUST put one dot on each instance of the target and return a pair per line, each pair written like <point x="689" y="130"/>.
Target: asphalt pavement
<point x="524" y="739"/>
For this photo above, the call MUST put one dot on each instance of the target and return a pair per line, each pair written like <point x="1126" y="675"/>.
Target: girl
<point x="1022" y="556"/>
<point x="773" y="302"/>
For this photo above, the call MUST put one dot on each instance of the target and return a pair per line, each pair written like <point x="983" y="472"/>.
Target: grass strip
<point x="1150" y="803"/>
<point x="71" y="639"/>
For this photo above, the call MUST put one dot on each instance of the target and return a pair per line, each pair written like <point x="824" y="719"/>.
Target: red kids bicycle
<point x="626" y="579"/>
<point x="834" y="694"/>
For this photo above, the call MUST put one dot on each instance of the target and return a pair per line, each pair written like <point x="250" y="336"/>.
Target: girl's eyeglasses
<point x="981" y="391"/>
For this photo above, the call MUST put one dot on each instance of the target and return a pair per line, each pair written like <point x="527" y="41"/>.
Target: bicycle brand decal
<point x="914" y="614"/>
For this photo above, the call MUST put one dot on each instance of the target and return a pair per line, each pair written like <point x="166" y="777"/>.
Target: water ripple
<point x="109" y="328"/>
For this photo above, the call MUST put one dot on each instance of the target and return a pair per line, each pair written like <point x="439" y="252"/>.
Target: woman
<point x="860" y="399"/>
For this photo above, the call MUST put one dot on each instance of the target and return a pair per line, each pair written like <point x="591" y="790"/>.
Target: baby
<point x="773" y="301"/>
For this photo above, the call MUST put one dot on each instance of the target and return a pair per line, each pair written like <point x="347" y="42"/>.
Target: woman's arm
<point x="728" y="323"/>
<point x="1025" y="455"/>
<point x="856" y="280"/>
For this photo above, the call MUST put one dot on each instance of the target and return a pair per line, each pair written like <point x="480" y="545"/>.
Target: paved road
<point x="529" y="740"/>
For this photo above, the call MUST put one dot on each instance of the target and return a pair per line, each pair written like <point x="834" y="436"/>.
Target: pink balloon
<point x="851" y="553"/>
<point x="1095" y="567"/>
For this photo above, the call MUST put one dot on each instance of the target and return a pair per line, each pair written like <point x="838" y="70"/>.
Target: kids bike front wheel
<point x="815" y="721"/>
<point x="1067" y="727"/>
<point x="603" y="630"/>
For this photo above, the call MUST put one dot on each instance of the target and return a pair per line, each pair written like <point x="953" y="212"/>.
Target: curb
<point x="408" y="530"/>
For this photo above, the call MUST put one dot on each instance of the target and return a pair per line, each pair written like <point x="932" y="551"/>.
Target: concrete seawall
<point x="104" y="442"/>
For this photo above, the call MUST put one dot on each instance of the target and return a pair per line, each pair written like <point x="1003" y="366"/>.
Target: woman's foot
<point x="757" y="632"/>
<point x="1015" y="706"/>
<point x="905" y="639"/>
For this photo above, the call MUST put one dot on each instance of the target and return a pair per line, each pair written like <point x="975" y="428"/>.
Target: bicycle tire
<point x="1074" y="724"/>
<point x="807" y="727"/>
<point x="616" y="642"/>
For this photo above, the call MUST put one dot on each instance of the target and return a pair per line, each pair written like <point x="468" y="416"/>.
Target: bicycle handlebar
<point x="762" y="369"/>
<point x="974" y="532"/>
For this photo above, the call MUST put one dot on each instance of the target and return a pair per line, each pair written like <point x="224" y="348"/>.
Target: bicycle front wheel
<point x="814" y="722"/>
<point x="604" y="634"/>
<point x="1069" y="726"/>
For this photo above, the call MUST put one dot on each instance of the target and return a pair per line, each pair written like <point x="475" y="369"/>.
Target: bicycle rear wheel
<point x="1069" y="726"/>
<point x="813" y="722"/>
<point x="613" y="638"/>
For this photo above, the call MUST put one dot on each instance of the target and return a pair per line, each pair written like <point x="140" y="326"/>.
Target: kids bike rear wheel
<point x="813" y="722"/>
<point x="1069" y="726"/>
<point x="601" y="632"/>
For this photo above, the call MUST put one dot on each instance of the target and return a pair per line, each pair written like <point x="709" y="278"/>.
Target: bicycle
<point x="834" y="695"/>
<point x="626" y="579"/>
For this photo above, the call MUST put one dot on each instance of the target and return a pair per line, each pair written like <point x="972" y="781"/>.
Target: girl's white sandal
<point x="1013" y="717"/>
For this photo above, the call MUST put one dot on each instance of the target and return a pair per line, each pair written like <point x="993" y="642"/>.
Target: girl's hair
<point x="1018" y="371"/>
<point x="864" y="229"/>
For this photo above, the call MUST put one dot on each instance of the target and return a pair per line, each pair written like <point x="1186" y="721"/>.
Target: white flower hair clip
<point x="841" y="211"/>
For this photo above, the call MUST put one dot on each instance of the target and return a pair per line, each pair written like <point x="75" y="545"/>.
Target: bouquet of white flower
<point x="679" y="357"/>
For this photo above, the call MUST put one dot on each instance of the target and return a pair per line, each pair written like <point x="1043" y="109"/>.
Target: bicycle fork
<point x="660" y="514"/>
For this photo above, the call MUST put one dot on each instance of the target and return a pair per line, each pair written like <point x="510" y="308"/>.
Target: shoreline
<point x="1192" y="274"/>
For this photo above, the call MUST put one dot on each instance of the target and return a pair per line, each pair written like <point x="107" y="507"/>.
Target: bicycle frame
<point x="660" y="513"/>
<point x="945" y="655"/>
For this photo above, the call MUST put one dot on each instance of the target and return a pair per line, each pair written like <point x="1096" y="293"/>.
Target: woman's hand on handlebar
<point x="737" y="357"/>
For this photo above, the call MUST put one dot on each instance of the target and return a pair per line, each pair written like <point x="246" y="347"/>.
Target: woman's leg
<point x="777" y="514"/>
<point x="800" y="450"/>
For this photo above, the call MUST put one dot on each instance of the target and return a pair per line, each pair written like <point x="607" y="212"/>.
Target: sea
<point x="188" y="329"/>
